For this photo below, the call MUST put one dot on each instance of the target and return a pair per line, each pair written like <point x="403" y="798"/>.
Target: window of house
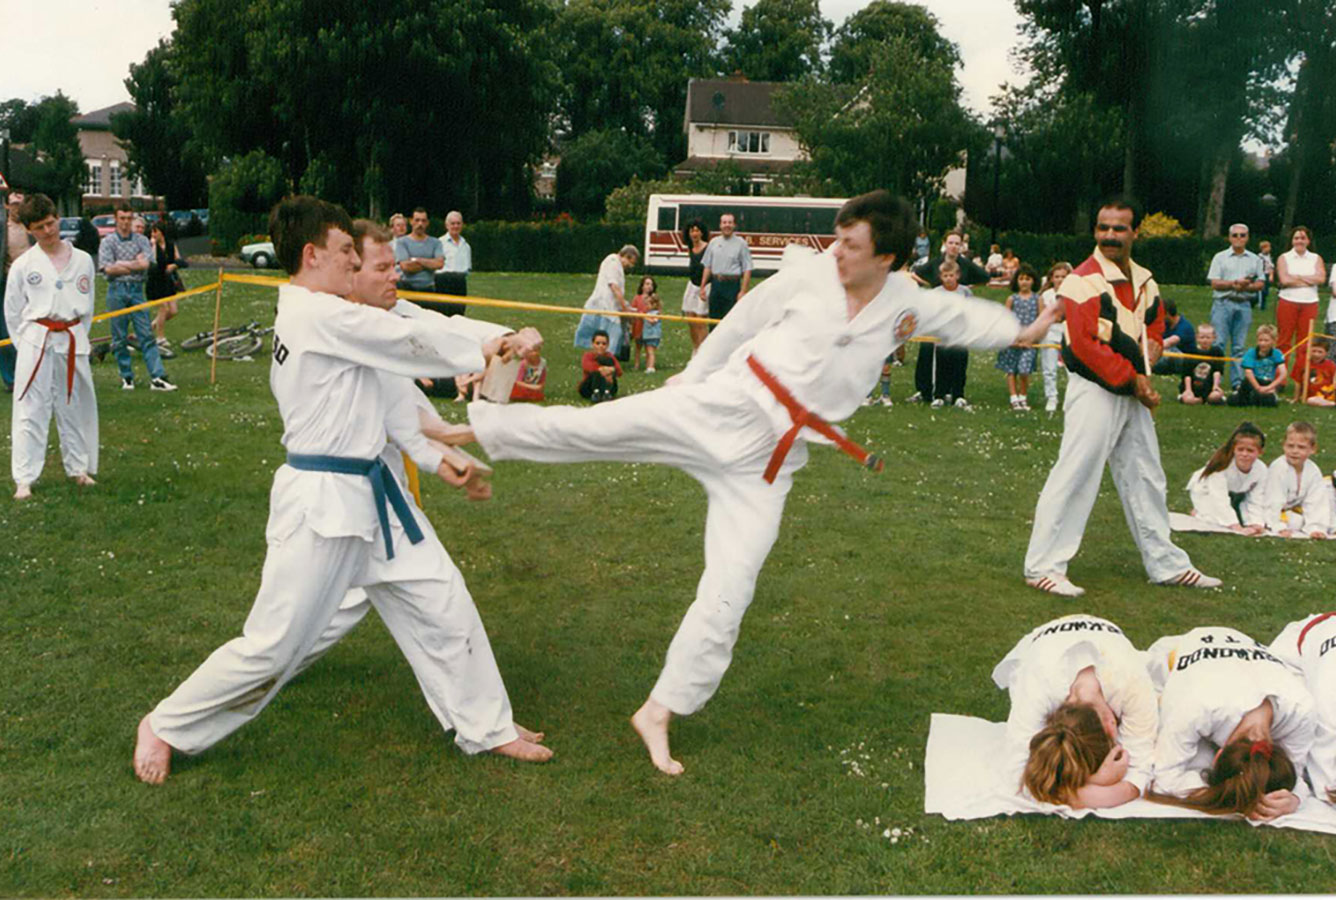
<point x="115" y="178"/>
<point x="749" y="142"/>
<point x="94" y="184"/>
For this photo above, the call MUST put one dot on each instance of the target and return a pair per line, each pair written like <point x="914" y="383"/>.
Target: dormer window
<point x="749" y="142"/>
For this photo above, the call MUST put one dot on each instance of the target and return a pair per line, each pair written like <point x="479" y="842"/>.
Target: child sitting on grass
<point x="601" y="370"/>
<point x="1263" y="372"/>
<point x="532" y="378"/>
<point x="1321" y="373"/>
<point x="1298" y="500"/>
<point x="1201" y="377"/>
<point x="1229" y="490"/>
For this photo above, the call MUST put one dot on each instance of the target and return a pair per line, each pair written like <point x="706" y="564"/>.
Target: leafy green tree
<point x="595" y="163"/>
<point x="241" y="196"/>
<point x="778" y="40"/>
<point x="630" y="202"/>
<point x="20" y="117"/>
<point x="858" y="46"/>
<point x="61" y="164"/>
<point x="156" y="135"/>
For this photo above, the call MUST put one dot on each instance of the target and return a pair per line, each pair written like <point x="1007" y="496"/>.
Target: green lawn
<point x="886" y="598"/>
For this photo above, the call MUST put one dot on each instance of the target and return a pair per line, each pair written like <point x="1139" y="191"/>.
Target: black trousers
<point x="597" y="388"/>
<point x="952" y="364"/>
<point x="723" y="297"/>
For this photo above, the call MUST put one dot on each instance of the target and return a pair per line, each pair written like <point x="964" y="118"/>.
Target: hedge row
<point x="1180" y="260"/>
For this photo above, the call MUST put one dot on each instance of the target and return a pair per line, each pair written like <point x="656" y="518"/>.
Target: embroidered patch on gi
<point x="905" y="324"/>
<point x="82" y="284"/>
<point x="34" y="278"/>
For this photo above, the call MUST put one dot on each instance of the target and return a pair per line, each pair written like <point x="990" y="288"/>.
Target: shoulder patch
<point x="905" y="325"/>
<point x="82" y="284"/>
<point x="34" y="278"/>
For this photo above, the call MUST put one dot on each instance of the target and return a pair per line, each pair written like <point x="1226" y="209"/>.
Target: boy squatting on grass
<point x="48" y="305"/>
<point x="329" y="529"/>
<point x="799" y="351"/>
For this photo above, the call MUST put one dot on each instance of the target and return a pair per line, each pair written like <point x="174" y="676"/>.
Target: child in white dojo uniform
<point x="1220" y="688"/>
<point x="48" y="304"/>
<point x="798" y="352"/>
<point x="1298" y="498"/>
<point x="329" y="523"/>
<point x="1081" y="730"/>
<point x="1310" y="645"/>
<point x="1230" y="490"/>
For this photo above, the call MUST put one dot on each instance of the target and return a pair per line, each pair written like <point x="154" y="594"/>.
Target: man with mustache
<point x="1114" y="333"/>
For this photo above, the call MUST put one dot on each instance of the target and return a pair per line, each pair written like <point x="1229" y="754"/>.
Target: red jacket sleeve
<point x="588" y="362"/>
<point x="1083" y="337"/>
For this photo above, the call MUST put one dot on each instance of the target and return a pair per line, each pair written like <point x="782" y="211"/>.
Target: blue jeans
<point x="1232" y="319"/>
<point x="121" y="294"/>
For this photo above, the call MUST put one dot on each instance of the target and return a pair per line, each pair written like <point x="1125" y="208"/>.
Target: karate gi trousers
<point x="717" y="435"/>
<point x="304" y="607"/>
<point x="76" y="413"/>
<point x="1101" y="427"/>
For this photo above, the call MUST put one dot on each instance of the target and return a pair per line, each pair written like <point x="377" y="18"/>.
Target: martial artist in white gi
<point x="329" y="525"/>
<point x="1213" y="496"/>
<point x="1218" y="686"/>
<point x="796" y="353"/>
<point x="1081" y="659"/>
<point x="1310" y="645"/>
<point x="1114" y="320"/>
<point x="48" y="305"/>
<point x="1298" y="498"/>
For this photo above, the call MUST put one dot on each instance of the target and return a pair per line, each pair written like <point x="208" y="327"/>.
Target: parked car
<point x="150" y="217"/>
<point x="69" y="227"/>
<point x="181" y="218"/>
<point x="203" y="216"/>
<point x="260" y="255"/>
<point x="105" y="224"/>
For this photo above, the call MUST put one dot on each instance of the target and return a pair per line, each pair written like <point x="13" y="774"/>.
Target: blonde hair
<point x="1302" y="429"/>
<point x="1267" y="329"/>
<point x="1243" y="773"/>
<point x="1063" y="755"/>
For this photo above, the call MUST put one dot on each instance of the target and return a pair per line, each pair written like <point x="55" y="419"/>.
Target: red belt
<point x="55" y="325"/>
<point x="804" y="418"/>
<point x="1304" y="633"/>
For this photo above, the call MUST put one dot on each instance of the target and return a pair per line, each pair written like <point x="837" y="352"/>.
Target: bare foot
<point x="84" y="480"/>
<point x="651" y="723"/>
<point x="153" y="755"/>
<point x="533" y="737"/>
<point x="23" y="492"/>
<point x="523" y="750"/>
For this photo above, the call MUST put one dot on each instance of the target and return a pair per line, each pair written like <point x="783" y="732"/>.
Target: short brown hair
<point x="35" y="208"/>
<point x="124" y="206"/>
<point x="365" y="228"/>
<point x="890" y="218"/>
<point x="297" y="221"/>
<point x="1303" y="430"/>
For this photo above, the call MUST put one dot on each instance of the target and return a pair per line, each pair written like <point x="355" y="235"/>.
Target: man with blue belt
<point x="124" y="257"/>
<point x="328" y="515"/>
<point x="728" y="269"/>
<point x="1236" y="276"/>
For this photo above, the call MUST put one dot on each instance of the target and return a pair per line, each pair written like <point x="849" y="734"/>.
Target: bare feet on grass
<point x="23" y="492"/>
<point x="153" y="755"/>
<point x="84" y="480"/>
<point x="533" y="737"/>
<point x="651" y="723"/>
<point x="523" y="750"/>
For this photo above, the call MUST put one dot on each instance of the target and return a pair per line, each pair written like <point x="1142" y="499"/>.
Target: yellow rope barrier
<point x="148" y="305"/>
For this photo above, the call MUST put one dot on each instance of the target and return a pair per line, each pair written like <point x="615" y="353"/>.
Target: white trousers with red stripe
<point x="716" y="436"/>
<point x="1099" y="428"/>
<point x="76" y="420"/>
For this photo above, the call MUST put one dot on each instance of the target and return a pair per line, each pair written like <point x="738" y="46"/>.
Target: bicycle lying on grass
<point x="234" y="342"/>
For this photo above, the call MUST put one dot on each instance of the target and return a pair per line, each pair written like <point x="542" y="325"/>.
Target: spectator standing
<point x="695" y="299"/>
<point x="453" y="278"/>
<point x="1180" y="337"/>
<point x="419" y="256"/>
<point x="1299" y="271"/>
<point x="1264" y="372"/>
<point x="1236" y="276"/>
<point x="728" y="269"/>
<point x="1268" y="269"/>
<point x="124" y="257"/>
<point x="1050" y="356"/>
<point x="948" y="364"/>
<point x="609" y="295"/>
<point x="922" y="245"/>
<point x="640" y="303"/>
<point x="652" y="334"/>
<point x="14" y="242"/>
<point x="163" y="281"/>
<point x="1018" y="362"/>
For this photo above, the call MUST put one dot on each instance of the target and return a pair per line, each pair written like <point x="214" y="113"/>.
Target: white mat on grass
<point x="961" y="781"/>
<point x="1185" y="522"/>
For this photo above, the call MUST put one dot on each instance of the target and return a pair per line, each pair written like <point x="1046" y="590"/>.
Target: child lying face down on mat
<point x="1310" y="645"/>
<point x="1222" y="689"/>
<point x="1229" y="491"/>
<point x="1081" y="729"/>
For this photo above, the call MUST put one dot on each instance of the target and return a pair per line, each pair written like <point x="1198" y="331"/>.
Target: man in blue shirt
<point x="419" y="256"/>
<point x="124" y="258"/>
<point x="1236" y="275"/>
<point x="1180" y="337"/>
<point x="728" y="269"/>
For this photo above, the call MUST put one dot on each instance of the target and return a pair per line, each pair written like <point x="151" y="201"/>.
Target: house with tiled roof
<point x="105" y="161"/>
<point x="734" y="119"/>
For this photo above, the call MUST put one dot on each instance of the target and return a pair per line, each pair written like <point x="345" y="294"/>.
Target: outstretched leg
<point x="651" y="723"/>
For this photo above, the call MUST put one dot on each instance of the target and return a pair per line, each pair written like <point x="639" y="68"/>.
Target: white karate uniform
<point x="720" y="425"/>
<point x="1211" y="495"/>
<point x="1040" y="669"/>
<point x="1317" y="660"/>
<point x="1049" y="357"/>
<point x="324" y="534"/>
<point x="1208" y="679"/>
<point x="35" y="290"/>
<point x="1299" y="502"/>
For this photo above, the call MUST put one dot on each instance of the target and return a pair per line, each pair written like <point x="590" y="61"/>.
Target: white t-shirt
<point x="1300" y="265"/>
<point x="610" y="272"/>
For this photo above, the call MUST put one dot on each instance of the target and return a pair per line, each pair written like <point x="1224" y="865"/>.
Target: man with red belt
<point x="48" y="304"/>
<point x="1113" y="335"/>
<point x="798" y="352"/>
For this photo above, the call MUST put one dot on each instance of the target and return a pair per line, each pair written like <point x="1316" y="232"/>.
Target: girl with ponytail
<point x="1221" y="690"/>
<point x="1083" y="714"/>
<point x="1310" y="645"/>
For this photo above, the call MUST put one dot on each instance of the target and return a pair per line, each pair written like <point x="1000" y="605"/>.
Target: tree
<point x="595" y="163"/>
<point x="156" y="135"/>
<point x="60" y="159"/>
<point x="778" y="40"/>
<point x="241" y="196"/>
<point x="20" y="117"/>
<point x="1310" y="129"/>
<point x="857" y="47"/>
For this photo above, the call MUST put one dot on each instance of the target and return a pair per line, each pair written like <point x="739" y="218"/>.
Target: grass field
<point x="887" y="598"/>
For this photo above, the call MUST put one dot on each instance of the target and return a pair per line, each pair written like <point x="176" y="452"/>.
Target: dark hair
<point x="600" y="333"/>
<point x="1170" y="307"/>
<point x="652" y="281"/>
<point x="1024" y="269"/>
<point x="1243" y="773"/>
<point x="297" y="221"/>
<point x="695" y="223"/>
<point x="890" y="218"/>
<point x="124" y="206"/>
<point x="35" y="208"/>
<point x="1122" y="201"/>
<point x="1298" y="228"/>
<point x="1224" y="454"/>
<point x="421" y="209"/>
<point x="166" y="226"/>
<point x="366" y="228"/>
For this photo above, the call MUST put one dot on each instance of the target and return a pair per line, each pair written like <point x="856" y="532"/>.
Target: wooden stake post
<point x="217" y="315"/>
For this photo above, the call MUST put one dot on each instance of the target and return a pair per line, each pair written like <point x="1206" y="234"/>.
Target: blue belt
<point x="383" y="488"/>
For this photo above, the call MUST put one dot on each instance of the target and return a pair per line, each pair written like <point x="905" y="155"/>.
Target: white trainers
<point x="962" y="403"/>
<point x="887" y="401"/>
<point x="161" y="384"/>
<point x="1055" y="584"/>
<point x="1192" y="578"/>
<point x="1051" y="406"/>
<point x="915" y="397"/>
<point x="650" y="371"/>
<point x="938" y="403"/>
<point x="869" y="400"/>
<point x="127" y="384"/>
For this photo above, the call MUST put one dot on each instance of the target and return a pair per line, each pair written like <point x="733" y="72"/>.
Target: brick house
<point x="733" y="119"/>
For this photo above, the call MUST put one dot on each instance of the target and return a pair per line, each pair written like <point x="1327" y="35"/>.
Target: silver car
<point x="260" y="255"/>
